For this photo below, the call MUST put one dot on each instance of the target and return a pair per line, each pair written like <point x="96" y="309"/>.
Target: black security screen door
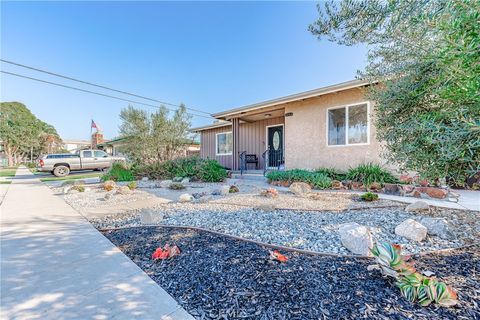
<point x="275" y="146"/>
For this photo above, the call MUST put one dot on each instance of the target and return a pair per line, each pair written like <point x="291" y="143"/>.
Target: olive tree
<point x="425" y="57"/>
<point x="154" y="137"/>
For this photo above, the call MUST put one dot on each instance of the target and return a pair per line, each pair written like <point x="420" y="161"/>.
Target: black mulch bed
<point x="217" y="277"/>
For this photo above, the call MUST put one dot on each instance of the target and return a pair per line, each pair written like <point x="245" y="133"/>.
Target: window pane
<point x="357" y="124"/>
<point x="87" y="154"/>
<point x="336" y="126"/>
<point x="224" y="143"/>
<point x="100" y="154"/>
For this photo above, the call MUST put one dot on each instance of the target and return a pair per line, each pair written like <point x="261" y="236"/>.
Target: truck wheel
<point x="61" y="171"/>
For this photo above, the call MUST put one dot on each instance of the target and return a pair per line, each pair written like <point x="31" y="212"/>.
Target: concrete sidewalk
<point x="55" y="265"/>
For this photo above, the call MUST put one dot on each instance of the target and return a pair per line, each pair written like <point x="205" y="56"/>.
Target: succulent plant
<point x="413" y="286"/>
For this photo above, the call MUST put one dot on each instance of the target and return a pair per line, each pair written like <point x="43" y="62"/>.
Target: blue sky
<point x="209" y="55"/>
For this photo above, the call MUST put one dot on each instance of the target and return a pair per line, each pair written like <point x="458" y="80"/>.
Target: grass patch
<point x="7" y="172"/>
<point x="78" y="176"/>
<point x="5" y="182"/>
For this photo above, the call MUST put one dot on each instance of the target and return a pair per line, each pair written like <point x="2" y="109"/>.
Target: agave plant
<point x="413" y="286"/>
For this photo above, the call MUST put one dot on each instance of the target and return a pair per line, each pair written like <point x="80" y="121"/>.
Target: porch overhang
<point x="275" y="105"/>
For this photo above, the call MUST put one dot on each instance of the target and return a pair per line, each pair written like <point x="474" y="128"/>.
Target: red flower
<point x="165" y="252"/>
<point x="276" y="255"/>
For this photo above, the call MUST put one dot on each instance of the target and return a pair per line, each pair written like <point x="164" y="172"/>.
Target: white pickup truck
<point x="60" y="164"/>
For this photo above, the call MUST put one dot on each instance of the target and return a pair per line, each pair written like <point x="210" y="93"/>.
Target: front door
<point x="275" y="146"/>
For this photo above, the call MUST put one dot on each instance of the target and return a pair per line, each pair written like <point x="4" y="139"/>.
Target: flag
<point x="93" y="125"/>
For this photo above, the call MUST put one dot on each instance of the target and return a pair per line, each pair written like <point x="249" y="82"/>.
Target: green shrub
<point x="316" y="180"/>
<point x="194" y="168"/>
<point x="369" y="196"/>
<point x="332" y="173"/>
<point x="369" y="173"/>
<point x="119" y="172"/>
<point x="211" y="171"/>
<point x="132" y="185"/>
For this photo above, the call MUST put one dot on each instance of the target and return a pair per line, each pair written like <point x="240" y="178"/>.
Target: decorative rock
<point x="107" y="196"/>
<point x="185" y="180"/>
<point x="87" y="189"/>
<point x="217" y="192"/>
<point x="408" y="188"/>
<point x="336" y="185"/>
<point x="412" y="230"/>
<point x="416" y="194"/>
<point x="391" y="188"/>
<point x="357" y="186"/>
<point x="418" y="206"/>
<point x="144" y="179"/>
<point x="375" y="186"/>
<point x="150" y="217"/>
<point x="347" y="183"/>
<point x="269" y="193"/>
<point x="124" y="190"/>
<point x="176" y="186"/>
<point x="177" y="179"/>
<point x="300" y="188"/>
<point x="109" y="185"/>
<point x="356" y="238"/>
<point x="185" y="197"/>
<point x="438" y="227"/>
<point x="165" y="183"/>
<point x="437" y="193"/>
<point x="224" y="190"/>
<point x="198" y="195"/>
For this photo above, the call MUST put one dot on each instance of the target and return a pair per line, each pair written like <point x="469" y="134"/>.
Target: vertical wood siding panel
<point x="252" y="140"/>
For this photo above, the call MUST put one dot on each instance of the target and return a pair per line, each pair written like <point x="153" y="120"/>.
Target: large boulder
<point x="356" y="238"/>
<point x="438" y="227"/>
<point x="150" y="217"/>
<point x="185" y="197"/>
<point x="418" y="206"/>
<point x="300" y="188"/>
<point x="412" y="230"/>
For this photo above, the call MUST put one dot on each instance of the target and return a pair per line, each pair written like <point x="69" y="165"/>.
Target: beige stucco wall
<point x="306" y="134"/>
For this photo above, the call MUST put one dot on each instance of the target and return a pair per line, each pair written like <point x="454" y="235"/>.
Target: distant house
<point x="327" y="127"/>
<point x="75" y="145"/>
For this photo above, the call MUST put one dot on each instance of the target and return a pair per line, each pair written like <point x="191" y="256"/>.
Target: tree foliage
<point x="23" y="135"/>
<point x="154" y="137"/>
<point x="426" y="57"/>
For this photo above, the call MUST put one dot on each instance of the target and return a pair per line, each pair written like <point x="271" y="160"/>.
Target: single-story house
<point x="326" y="127"/>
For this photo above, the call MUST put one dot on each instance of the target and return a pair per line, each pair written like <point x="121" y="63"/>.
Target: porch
<point x="258" y="140"/>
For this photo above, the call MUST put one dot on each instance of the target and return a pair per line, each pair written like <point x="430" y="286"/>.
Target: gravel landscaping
<point x="216" y="277"/>
<point x="310" y="230"/>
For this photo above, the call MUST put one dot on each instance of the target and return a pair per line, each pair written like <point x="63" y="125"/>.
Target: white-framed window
<point x="348" y="125"/>
<point x="223" y="143"/>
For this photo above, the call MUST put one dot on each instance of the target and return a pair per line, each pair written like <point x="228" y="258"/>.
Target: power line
<point x="93" y="92"/>
<point x="98" y="85"/>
